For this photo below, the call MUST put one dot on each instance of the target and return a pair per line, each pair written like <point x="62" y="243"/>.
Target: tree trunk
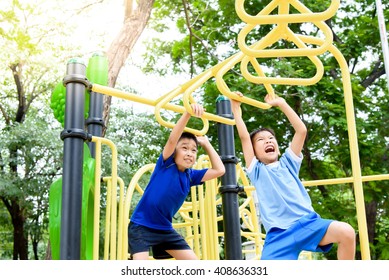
<point x="20" y="248"/>
<point x="134" y="23"/>
<point x="35" y="249"/>
<point x="371" y="220"/>
<point x="48" y="251"/>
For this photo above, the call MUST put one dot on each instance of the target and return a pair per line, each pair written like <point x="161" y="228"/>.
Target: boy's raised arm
<point x="244" y="135"/>
<point x="298" y="125"/>
<point x="177" y="130"/>
<point x="217" y="168"/>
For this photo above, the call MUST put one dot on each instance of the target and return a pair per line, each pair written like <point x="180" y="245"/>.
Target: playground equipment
<point x="74" y="135"/>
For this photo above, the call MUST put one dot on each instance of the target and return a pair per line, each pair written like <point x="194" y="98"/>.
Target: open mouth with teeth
<point x="269" y="149"/>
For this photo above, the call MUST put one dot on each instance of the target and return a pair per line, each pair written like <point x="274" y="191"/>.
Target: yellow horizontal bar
<point x="345" y="180"/>
<point x="258" y="49"/>
<point x="264" y="18"/>
<point x="147" y="101"/>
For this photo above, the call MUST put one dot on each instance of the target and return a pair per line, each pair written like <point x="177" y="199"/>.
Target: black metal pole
<point x="73" y="136"/>
<point x="97" y="72"/>
<point x="229" y="188"/>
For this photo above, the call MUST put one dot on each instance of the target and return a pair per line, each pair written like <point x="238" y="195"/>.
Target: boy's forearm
<point x="179" y="127"/>
<point x="241" y="126"/>
<point x="175" y="134"/>
<point x="182" y="122"/>
<point x="293" y="118"/>
<point x="244" y="135"/>
<point x="214" y="157"/>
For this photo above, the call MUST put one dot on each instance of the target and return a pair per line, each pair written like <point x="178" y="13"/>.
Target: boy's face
<point x="186" y="153"/>
<point x="266" y="147"/>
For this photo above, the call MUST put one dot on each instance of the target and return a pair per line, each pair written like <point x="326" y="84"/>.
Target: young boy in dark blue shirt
<point x="170" y="183"/>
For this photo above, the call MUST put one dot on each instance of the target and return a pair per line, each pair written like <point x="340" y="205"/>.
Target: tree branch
<point x="5" y="115"/>
<point x="16" y="71"/>
<point x="374" y="75"/>
<point x="336" y="38"/>
<point x="193" y="34"/>
<point x="133" y="26"/>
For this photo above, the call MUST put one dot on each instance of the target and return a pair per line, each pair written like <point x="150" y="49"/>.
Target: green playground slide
<point x="55" y="199"/>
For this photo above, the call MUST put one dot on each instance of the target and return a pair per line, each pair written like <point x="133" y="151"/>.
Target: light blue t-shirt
<point x="282" y="197"/>
<point x="165" y="194"/>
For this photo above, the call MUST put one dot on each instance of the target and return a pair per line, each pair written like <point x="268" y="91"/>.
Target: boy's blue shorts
<point x="141" y="239"/>
<point x="304" y="234"/>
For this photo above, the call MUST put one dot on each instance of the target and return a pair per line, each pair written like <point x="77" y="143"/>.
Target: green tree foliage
<point x="26" y="174"/>
<point x="208" y="34"/>
<point x="25" y="79"/>
<point x="33" y="44"/>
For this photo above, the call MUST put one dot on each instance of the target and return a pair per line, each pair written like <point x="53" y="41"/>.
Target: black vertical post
<point x="229" y="188"/>
<point x="97" y="72"/>
<point x="95" y="120"/>
<point x="73" y="136"/>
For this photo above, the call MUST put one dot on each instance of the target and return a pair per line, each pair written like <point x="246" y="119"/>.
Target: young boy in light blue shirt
<point x="287" y="214"/>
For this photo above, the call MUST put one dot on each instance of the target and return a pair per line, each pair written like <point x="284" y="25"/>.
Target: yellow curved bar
<point x="187" y="89"/>
<point x="107" y="221"/>
<point x="224" y="89"/>
<point x="112" y="216"/>
<point x="121" y="226"/>
<point x="273" y="36"/>
<point x="280" y="81"/>
<point x="282" y="31"/>
<point x="196" y="223"/>
<point x="210" y="214"/>
<point x="203" y="235"/>
<point x="353" y="142"/>
<point x="133" y="185"/>
<point x="164" y="101"/>
<point x="286" y="34"/>
<point x="115" y="241"/>
<point x="264" y="18"/>
<point x="147" y="101"/>
<point x="287" y="81"/>
<point x="354" y="153"/>
<point x="191" y="87"/>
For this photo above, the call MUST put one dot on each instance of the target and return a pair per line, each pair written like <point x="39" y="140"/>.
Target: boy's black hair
<point x="188" y="135"/>
<point x="255" y="132"/>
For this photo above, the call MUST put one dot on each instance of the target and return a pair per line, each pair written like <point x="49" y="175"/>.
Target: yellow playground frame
<point x="198" y="218"/>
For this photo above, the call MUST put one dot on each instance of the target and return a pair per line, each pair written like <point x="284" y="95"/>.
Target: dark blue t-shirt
<point x="165" y="194"/>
